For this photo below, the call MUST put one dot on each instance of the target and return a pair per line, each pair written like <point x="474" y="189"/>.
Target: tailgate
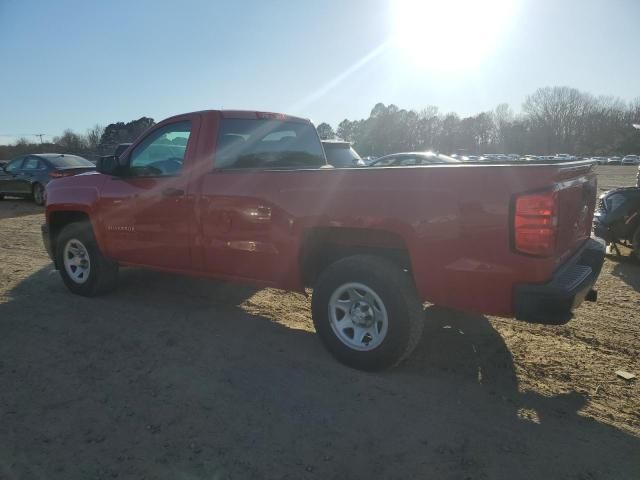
<point x="576" y="188"/>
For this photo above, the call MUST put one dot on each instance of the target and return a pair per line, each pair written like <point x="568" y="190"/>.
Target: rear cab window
<point x="267" y="144"/>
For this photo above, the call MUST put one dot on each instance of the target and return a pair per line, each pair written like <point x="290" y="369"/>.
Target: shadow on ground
<point x="627" y="268"/>
<point x="170" y="378"/>
<point x="18" y="207"/>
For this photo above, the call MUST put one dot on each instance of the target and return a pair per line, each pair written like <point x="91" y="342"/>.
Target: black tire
<point x="396" y="290"/>
<point x="103" y="273"/>
<point x="37" y="193"/>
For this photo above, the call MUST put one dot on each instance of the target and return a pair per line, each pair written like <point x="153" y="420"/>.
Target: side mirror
<point x="109" y="166"/>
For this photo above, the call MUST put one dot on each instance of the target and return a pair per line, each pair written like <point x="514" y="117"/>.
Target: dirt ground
<point x="174" y="378"/>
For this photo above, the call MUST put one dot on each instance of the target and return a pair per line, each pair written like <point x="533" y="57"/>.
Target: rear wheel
<point x="38" y="194"/>
<point x="367" y="312"/>
<point x="83" y="268"/>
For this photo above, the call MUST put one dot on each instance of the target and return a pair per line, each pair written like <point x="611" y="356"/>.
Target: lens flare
<point x="449" y="35"/>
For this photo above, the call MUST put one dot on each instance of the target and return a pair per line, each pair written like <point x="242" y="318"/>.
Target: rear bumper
<point x="553" y="302"/>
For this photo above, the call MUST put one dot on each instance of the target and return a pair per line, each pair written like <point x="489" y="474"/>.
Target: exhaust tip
<point x="592" y="296"/>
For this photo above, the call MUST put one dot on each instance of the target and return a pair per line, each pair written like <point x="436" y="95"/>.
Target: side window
<point x="162" y="152"/>
<point x="31" y="163"/>
<point x="14" y="165"/>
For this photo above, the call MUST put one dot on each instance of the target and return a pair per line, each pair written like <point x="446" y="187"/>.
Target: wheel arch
<point x="59" y="219"/>
<point x="323" y="246"/>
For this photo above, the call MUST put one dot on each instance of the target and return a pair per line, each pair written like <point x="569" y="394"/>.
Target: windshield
<point x="69" y="161"/>
<point x="262" y="143"/>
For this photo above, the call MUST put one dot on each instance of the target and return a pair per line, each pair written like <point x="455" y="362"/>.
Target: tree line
<point x="96" y="141"/>
<point x="553" y="120"/>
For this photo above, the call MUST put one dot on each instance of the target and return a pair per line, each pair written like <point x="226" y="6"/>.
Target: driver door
<point x="148" y="215"/>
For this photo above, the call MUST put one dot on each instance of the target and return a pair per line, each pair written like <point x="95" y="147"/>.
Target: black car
<point x="341" y="154"/>
<point x="117" y="152"/>
<point x="120" y="149"/>
<point x="617" y="219"/>
<point x="27" y="175"/>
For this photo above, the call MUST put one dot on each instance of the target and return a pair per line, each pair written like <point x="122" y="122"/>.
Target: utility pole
<point x="39" y="135"/>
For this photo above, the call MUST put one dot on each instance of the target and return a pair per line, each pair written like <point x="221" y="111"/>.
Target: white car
<point x="631" y="160"/>
<point x="613" y="161"/>
<point x="564" y="156"/>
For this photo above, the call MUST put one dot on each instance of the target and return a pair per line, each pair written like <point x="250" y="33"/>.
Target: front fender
<point x="77" y="194"/>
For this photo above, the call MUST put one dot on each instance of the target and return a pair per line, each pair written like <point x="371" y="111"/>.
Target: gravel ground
<point x="175" y="378"/>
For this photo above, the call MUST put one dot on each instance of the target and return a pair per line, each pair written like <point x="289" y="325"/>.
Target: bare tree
<point x="93" y="136"/>
<point x="71" y="141"/>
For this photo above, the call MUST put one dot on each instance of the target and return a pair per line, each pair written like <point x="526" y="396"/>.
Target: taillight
<point x="536" y="223"/>
<point x="59" y="174"/>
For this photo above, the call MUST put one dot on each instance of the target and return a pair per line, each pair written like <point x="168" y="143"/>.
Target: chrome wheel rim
<point x="358" y="316"/>
<point x="76" y="261"/>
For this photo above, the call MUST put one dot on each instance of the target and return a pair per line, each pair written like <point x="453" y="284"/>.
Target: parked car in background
<point x="617" y="219"/>
<point x="631" y="160"/>
<point x="414" y="158"/>
<point x="341" y="154"/>
<point x="368" y="160"/>
<point x="564" y="156"/>
<point x="498" y="157"/>
<point x="119" y="150"/>
<point x="614" y="161"/>
<point x="26" y="176"/>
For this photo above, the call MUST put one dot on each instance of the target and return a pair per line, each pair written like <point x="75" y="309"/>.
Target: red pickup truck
<point x="248" y="196"/>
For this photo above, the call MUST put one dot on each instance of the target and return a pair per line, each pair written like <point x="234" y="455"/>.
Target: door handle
<point x="172" y="192"/>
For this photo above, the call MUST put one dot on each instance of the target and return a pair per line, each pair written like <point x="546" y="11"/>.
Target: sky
<point x="74" y="64"/>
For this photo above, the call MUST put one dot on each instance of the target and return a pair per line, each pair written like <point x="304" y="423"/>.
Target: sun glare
<point x="449" y="35"/>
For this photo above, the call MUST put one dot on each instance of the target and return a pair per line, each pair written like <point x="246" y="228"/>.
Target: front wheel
<point x="83" y="268"/>
<point x="367" y="312"/>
